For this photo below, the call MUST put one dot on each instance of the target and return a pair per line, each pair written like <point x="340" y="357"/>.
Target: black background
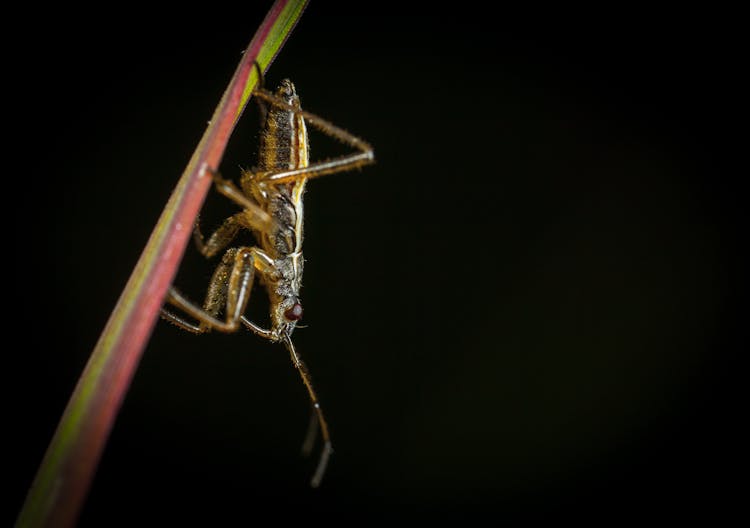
<point x="526" y="309"/>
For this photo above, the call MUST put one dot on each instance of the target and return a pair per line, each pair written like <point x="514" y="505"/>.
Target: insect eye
<point x="294" y="313"/>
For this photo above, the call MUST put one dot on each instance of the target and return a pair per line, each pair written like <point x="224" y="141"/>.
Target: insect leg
<point x="230" y="287"/>
<point x="262" y="332"/>
<point x="327" y="447"/>
<point x="253" y="214"/>
<point x="261" y="86"/>
<point x="365" y="156"/>
<point x="220" y="238"/>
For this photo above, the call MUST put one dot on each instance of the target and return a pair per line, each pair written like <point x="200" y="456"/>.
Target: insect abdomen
<point x="283" y="143"/>
<point x="284" y="146"/>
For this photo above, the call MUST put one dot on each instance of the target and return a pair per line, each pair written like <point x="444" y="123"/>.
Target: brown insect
<point x="272" y="209"/>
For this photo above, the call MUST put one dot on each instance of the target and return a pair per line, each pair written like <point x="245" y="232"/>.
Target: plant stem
<point x="64" y="477"/>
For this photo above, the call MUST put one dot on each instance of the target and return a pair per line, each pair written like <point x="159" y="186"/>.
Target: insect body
<point x="272" y="209"/>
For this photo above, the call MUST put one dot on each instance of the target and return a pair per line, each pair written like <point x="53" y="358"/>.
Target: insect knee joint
<point x="246" y="255"/>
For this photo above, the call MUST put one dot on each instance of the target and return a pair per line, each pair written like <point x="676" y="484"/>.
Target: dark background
<point x="526" y="309"/>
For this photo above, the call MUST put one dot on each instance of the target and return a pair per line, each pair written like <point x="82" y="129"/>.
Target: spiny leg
<point x="230" y="286"/>
<point x="327" y="447"/>
<point x="253" y="214"/>
<point x="252" y="217"/>
<point x="220" y="238"/>
<point x="365" y="156"/>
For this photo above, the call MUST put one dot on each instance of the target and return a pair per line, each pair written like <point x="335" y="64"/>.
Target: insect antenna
<point x="311" y="435"/>
<point x="325" y="454"/>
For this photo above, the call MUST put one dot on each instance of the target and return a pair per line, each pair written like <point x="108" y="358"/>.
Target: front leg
<point x="257" y="330"/>
<point x="230" y="288"/>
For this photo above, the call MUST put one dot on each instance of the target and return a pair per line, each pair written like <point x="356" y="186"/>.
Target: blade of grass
<point x="64" y="477"/>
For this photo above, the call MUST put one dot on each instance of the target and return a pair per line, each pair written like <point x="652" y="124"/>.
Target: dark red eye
<point x="294" y="313"/>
